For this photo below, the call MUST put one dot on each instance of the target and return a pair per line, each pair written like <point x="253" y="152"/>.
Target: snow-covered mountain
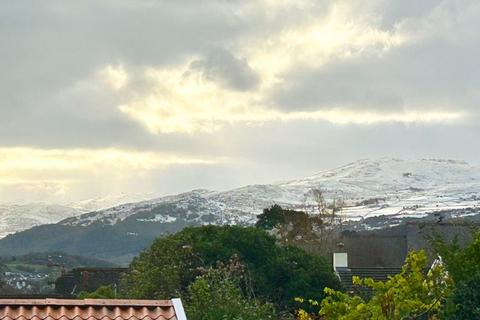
<point x="18" y="217"/>
<point x="393" y="187"/>
<point x="376" y="193"/>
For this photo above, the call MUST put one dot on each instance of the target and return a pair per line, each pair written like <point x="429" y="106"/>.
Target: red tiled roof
<point x="88" y="309"/>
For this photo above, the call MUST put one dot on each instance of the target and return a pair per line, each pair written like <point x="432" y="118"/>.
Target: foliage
<point x="313" y="233"/>
<point x="466" y="299"/>
<point x="103" y="292"/>
<point x="291" y="227"/>
<point x="411" y="294"/>
<point x="218" y="294"/>
<point x="278" y="273"/>
<point x="462" y="264"/>
<point x="163" y="270"/>
<point x="294" y="224"/>
<point x="276" y="215"/>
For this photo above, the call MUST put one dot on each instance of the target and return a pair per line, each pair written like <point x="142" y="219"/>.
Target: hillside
<point x="21" y="216"/>
<point x="18" y="217"/>
<point x="390" y="188"/>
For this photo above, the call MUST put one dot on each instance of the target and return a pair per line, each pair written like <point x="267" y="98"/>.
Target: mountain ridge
<point x="392" y="189"/>
<point x="359" y="179"/>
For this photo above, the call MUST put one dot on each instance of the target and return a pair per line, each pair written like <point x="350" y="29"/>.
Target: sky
<point x="136" y="96"/>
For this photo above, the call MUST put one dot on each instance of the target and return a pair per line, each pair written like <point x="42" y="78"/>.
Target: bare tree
<point x="319" y="201"/>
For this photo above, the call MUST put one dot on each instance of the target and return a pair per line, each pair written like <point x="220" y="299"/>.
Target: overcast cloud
<point x="102" y="97"/>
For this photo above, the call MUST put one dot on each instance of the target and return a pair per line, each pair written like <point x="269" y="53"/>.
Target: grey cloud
<point x="393" y="12"/>
<point x="344" y="85"/>
<point x="48" y="47"/>
<point x="221" y="66"/>
<point x="437" y="72"/>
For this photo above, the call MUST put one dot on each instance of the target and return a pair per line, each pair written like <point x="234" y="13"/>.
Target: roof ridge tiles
<point x="87" y="309"/>
<point x="63" y="317"/>
<point x="87" y="302"/>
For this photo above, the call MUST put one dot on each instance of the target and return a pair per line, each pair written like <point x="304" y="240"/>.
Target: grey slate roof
<point x="377" y="274"/>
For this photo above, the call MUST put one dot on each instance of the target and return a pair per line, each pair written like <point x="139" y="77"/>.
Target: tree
<point x="461" y="261"/>
<point x="218" y="294"/>
<point x="298" y="228"/>
<point x="289" y="226"/>
<point x="320" y="201"/>
<point x="466" y="299"/>
<point x="163" y="270"/>
<point x="278" y="273"/>
<point x="463" y="267"/>
<point x="411" y="294"/>
<point x="276" y="216"/>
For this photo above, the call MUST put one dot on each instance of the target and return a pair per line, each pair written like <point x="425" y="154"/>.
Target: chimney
<point x="340" y="260"/>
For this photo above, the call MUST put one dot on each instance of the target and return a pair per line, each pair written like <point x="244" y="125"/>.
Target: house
<point x="388" y="247"/>
<point x="345" y="273"/>
<point x="91" y="309"/>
